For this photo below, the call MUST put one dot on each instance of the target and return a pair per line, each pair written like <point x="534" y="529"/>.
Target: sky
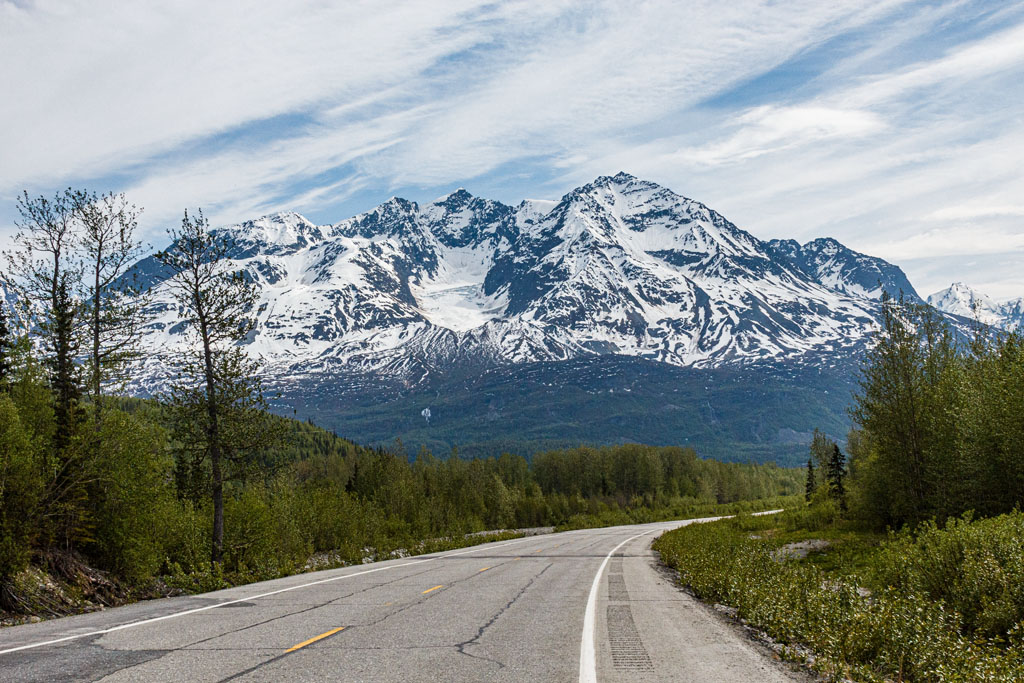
<point x="895" y="127"/>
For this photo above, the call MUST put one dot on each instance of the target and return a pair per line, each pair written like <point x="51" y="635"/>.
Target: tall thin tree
<point x="812" y="483"/>
<point x="114" y="305"/>
<point x="835" y="475"/>
<point x="217" y="382"/>
<point x="46" y="275"/>
<point x="6" y="343"/>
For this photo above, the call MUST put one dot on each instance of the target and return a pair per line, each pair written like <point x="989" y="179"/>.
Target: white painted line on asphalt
<point x="588" y="655"/>
<point x="588" y="652"/>
<point x="133" y="624"/>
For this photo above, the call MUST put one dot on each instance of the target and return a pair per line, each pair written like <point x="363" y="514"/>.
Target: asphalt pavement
<point x="589" y="605"/>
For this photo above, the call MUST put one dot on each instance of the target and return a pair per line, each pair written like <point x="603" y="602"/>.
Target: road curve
<point x="589" y="605"/>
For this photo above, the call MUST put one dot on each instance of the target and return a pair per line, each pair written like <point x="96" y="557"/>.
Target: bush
<point x="20" y="488"/>
<point x="131" y="500"/>
<point x="898" y="633"/>
<point x="975" y="568"/>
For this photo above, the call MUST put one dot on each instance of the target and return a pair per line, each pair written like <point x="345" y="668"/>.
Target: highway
<point x="589" y="605"/>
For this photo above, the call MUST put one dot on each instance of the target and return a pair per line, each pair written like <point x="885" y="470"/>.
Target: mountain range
<point x="621" y="312"/>
<point x="619" y="266"/>
<point x="449" y="305"/>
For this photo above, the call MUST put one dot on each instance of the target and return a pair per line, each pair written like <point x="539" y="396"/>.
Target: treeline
<point x="939" y="422"/>
<point x="319" y="495"/>
<point x="204" y="485"/>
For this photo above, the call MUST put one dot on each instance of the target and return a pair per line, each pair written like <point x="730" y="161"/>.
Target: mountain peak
<point x="283" y="230"/>
<point x="459" y="197"/>
<point x="963" y="300"/>
<point x="838" y="267"/>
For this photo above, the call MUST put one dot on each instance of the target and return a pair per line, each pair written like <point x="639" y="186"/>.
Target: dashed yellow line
<point x="433" y="589"/>
<point x="483" y="570"/>
<point x="314" y="639"/>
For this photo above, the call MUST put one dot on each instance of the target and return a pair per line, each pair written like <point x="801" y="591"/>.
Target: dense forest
<point x="203" y="486"/>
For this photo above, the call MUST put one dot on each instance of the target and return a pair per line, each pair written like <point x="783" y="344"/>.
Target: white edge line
<point x="588" y="656"/>
<point x="174" y="615"/>
<point x="591" y="606"/>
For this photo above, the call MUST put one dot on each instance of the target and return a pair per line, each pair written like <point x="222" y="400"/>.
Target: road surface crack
<point x="475" y="640"/>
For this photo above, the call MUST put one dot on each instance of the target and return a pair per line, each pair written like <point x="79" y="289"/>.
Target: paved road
<point x="586" y="605"/>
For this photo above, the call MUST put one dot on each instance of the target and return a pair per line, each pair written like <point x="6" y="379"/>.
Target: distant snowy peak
<point x="840" y="268"/>
<point x="959" y="299"/>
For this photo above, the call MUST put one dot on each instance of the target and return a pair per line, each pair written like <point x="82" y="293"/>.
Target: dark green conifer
<point x="6" y="346"/>
<point x="835" y="473"/>
<point x="811" y="484"/>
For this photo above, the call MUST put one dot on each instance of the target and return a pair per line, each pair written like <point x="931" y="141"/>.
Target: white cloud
<point x="975" y="210"/>
<point x="768" y="129"/>
<point x="890" y="151"/>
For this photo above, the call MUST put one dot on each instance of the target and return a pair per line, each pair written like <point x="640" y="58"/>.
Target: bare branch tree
<point x="112" y="301"/>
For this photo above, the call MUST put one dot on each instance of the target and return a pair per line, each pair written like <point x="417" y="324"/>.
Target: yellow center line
<point x="484" y="569"/>
<point x="517" y="558"/>
<point x="538" y="550"/>
<point x="433" y="589"/>
<point x="313" y="640"/>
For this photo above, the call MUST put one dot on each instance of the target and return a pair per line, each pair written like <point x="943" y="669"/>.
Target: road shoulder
<point x="651" y="629"/>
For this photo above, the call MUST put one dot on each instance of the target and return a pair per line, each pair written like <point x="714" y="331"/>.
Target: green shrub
<point x="130" y="499"/>
<point x="975" y="567"/>
<point x="20" y="488"/>
<point x="899" y="632"/>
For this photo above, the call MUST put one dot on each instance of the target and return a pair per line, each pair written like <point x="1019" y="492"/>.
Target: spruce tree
<point x="835" y="474"/>
<point x="46" y="275"/>
<point x="6" y="345"/>
<point x="811" y="484"/>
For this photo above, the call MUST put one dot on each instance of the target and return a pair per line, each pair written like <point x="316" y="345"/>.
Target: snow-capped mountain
<point x="830" y="263"/>
<point x="619" y="266"/>
<point x="959" y="299"/>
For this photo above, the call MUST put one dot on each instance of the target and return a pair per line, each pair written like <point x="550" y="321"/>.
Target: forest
<point x="203" y="487"/>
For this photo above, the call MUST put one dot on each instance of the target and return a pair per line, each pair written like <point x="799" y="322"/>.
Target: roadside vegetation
<point x="907" y="562"/>
<point x="104" y="499"/>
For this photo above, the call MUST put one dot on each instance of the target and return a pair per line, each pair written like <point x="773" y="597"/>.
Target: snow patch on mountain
<point x="617" y="266"/>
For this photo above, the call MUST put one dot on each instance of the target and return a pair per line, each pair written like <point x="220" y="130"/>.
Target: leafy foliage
<point x="913" y="629"/>
<point x="939" y="422"/>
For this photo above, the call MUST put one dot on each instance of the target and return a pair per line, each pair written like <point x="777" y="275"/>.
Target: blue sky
<point x="896" y="127"/>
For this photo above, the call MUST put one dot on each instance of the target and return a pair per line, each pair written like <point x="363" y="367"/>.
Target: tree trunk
<point x="96" y="342"/>
<point x="213" y="439"/>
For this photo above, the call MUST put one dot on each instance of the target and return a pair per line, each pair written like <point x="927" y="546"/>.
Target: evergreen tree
<point x="835" y="474"/>
<point x="217" y="399"/>
<point x="45" y="275"/>
<point x="812" y="483"/>
<point x="910" y="391"/>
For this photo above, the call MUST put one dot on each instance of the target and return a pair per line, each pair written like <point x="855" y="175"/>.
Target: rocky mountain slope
<point x="619" y="266"/>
